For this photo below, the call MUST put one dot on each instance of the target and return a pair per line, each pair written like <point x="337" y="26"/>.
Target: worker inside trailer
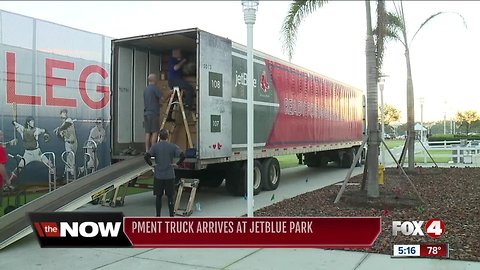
<point x="151" y="111"/>
<point x="175" y="77"/>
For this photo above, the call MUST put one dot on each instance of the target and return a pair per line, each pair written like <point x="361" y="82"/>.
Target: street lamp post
<point x="249" y="14"/>
<point x="381" y="86"/>
<point x="444" y="122"/>
<point x="445" y="118"/>
<point x="422" y="100"/>
<point x="454" y="124"/>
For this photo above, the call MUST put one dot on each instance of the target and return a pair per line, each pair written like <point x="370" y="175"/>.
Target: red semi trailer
<point x="296" y="111"/>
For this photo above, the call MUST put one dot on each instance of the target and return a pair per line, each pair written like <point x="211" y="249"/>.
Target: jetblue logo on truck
<point x="79" y="229"/>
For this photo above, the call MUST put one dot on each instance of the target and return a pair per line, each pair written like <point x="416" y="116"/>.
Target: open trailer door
<point x="215" y="96"/>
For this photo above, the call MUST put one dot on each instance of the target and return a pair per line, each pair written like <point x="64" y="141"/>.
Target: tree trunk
<point x="410" y="114"/>
<point x="372" y="110"/>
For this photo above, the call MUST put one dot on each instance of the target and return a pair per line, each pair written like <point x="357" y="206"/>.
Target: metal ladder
<point x="48" y="158"/>
<point x="67" y="166"/>
<point x="171" y="102"/>
<point x="89" y="145"/>
<point x="189" y="185"/>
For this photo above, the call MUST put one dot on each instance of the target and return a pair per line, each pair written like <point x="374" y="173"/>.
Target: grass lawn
<point x="134" y="190"/>
<point x="394" y="143"/>
<point x="32" y="196"/>
<point x="287" y="161"/>
<point x="419" y="156"/>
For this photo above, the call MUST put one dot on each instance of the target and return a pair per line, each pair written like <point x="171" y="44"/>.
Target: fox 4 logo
<point x="433" y="227"/>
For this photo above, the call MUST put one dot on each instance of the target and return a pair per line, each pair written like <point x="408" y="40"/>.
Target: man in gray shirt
<point x="164" y="178"/>
<point x="151" y="111"/>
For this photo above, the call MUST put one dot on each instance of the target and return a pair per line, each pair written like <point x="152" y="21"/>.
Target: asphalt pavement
<point x="26" y="253"/>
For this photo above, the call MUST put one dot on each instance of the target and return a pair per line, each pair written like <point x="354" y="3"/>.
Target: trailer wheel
<point x="359" y="162"/>
<point x="236" y="182"/>
<point x="212" y="178"/>
<point x="234" y="178"/>
<point x="257" y="177"/>
<point x="311" y="160"/>
<point x="271" y="174"/>
<point x="347" y="158"/>
<point x="316" y="160"/>
<point x="323" y="160"/>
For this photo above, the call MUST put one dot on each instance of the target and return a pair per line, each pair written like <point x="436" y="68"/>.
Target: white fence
<point x="459" y="152"/>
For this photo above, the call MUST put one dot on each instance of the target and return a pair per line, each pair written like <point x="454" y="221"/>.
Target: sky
<point x="445" y="56"/>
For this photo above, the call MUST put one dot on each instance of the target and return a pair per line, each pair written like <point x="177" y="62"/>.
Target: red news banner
<point x="322" y="232"/>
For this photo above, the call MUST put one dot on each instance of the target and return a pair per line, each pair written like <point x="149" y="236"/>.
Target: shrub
<point x="452" y="137"/>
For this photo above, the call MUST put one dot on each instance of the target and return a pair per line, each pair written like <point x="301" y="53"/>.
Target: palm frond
<point x="298" y="11"/>
<point x="380" y="34"/>
<point x="395" y="27"/>
<point x="392" y="36"/>
<point x="394" y="20"/>
<point x="435" y="15"/>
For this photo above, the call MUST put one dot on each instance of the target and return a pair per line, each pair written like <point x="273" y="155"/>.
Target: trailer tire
<point x="270" y="174"/>
<point x="257" y="177"/>
<point x="359" y="162"/>
<point x="236" y="183"/>
<point x="347" y="158"/>
<point x="323" y="160"/>
<point x="316" y="160"/>
<point x="311" y="160"/>
<point x="212" y="178"/>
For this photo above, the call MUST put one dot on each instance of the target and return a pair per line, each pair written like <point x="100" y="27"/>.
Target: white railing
<point x="458" y="154"/>
<point x="441" y="144"/>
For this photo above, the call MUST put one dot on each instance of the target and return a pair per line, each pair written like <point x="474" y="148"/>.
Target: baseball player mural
<point x="97" y="135"/>
<point x="66" y="131"/>
<point x="29" y="134"/>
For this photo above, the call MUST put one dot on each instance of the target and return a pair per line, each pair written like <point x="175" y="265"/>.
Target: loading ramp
<point x="16" y="225"/>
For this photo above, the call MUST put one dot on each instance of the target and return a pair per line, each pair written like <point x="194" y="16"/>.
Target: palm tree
<point x="397" y="30"/>
<point x="296" y="14"/>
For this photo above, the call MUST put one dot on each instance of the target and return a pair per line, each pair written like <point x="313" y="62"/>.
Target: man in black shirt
<point x="164" y="178"/>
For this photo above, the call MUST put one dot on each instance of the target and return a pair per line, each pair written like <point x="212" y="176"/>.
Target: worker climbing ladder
<point x="171" y="102"/>
<point x="186" y="185"/>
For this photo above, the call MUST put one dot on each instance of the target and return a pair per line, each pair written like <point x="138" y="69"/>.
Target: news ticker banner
<point x="421" y="250"/>
<point x="112" y="229"/>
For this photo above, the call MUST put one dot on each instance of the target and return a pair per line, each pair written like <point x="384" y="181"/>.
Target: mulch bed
<point x="451" y="194"/>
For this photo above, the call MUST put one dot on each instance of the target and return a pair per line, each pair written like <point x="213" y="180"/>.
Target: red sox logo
<point x="217" y="146"/>
<point x="263" y="82"/>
